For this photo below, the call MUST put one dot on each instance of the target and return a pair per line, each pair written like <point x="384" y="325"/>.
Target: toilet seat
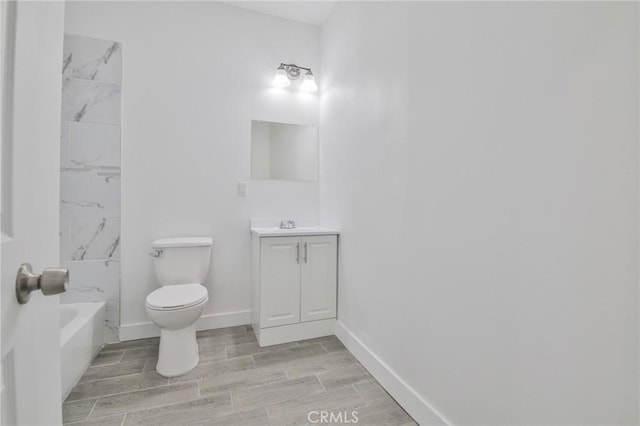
<point x="174" y="297"/>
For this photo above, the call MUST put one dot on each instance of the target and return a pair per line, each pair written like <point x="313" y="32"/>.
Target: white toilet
<point x="181" y="266"/>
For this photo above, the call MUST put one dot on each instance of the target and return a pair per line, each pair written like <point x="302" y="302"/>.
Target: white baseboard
<point x="420" y="409"/>
<point x="142" y="330"/>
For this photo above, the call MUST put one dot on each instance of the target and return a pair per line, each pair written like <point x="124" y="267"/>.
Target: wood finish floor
<point x="235" y="383"/>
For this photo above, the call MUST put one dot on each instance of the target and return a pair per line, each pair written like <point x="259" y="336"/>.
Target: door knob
<point x="51" y="281"/>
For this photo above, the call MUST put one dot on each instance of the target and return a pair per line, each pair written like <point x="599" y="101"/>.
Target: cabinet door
<point x="319" y="258"/>
<point x="279" y="281"/>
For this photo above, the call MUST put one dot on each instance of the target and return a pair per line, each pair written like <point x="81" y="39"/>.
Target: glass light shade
<point x="281" y="79"/>
<point x="308" y="83"/>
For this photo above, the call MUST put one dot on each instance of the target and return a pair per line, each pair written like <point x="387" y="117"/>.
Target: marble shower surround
<point x="90" y="173"/>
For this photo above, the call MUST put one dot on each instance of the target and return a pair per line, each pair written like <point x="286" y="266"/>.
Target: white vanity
<point x="294" y="277"/>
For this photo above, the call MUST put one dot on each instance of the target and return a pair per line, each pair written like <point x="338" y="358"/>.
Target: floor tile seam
<point x="186" y="401"/>
<point x="281" y="381"/>
<point x="113" y="377"/>
<point x="353" y="385"/>
<point x="145" y="408"/>
<point x="256" y="385"/>
<point x="132" y="391"/>
<point x="208" y="376"/>
<point x="95" y="418"/>
<point x="116" y="363"/>
<point x="107" y="350"/>
<point x="106" y="364"/>
<point x="320" y="381"/>
<point x="92" y="408"/>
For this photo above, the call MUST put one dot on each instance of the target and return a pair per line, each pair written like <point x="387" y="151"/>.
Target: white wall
<point x="260" y="150"/>
<point x="481" y="160"/>
<point x="194" y="75"/>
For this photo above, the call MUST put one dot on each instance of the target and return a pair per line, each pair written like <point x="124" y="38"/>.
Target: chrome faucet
<point x="288" y="224"/>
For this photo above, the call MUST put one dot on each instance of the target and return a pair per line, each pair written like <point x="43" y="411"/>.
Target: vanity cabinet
<point x="295" y="287"/>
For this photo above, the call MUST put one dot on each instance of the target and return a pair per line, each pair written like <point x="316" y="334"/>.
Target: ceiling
<point x="310" y="12"/>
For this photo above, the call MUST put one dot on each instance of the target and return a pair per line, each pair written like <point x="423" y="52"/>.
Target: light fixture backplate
<point x="292" y="72"/>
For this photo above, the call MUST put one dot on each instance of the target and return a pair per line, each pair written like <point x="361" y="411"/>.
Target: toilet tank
<point x="181" y="260"/>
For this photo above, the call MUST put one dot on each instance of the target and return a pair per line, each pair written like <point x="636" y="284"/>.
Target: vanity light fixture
<point x="287" y="72"/>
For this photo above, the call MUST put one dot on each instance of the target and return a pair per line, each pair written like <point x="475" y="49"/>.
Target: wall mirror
<point x="282" y="151"/>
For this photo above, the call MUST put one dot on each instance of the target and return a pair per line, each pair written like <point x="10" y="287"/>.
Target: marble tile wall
<point x="90" y="173"/>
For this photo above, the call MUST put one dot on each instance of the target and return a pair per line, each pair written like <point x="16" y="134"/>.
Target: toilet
<point x="181" y="266"/>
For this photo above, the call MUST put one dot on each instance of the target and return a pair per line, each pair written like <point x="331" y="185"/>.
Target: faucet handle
<point x="287" y="224"/>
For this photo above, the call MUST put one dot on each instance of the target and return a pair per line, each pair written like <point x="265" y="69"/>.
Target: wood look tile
<point x="244" y="379"/>
<point x="319" y="364"/>
<point x="295" y="412"/>
<point x="384" y="413"/>
<point x="103" y="421"/>
<point x="144" y="352"/>
<point x="115" y="385"/>
<point x="255" y="417"/>
<point x="372" y="392"/>
<point x="77" y="410"/>
<point x="260" y="396"/>
<point x="150" y="364"/>
<point x="214" y="405"/>
<point x="110" y="357"/>
<point x="225" y="340"/>
<point x="212" y="353"/>
<point x="252" y="348"/>
<point x="279" y="356"/>
<point x="147" y="398"/>
<point x="240" y="329"/>
<point x="113" y="370"/>
<point x="213" y="369"/>
<point x="235" y="383"/>
<point x="330" y="343"/>
<point x="131" y="344"/>
<point x="344" y="376"/>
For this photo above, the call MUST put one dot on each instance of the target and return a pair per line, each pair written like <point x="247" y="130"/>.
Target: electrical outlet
<point x="243" y="189"/>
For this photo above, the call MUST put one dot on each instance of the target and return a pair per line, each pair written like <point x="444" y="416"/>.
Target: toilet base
<point x="178" y="351"/>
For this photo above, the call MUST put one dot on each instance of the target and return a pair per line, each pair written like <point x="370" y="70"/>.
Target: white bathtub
<point x="81" y="338"/>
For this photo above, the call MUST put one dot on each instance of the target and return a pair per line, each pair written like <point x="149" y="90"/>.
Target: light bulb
<point x="281" y="79"/>
<point x="308" y="83"/>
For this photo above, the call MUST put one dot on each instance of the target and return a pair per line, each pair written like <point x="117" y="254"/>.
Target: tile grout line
<point x="136" y="409"/>
<point x="130" y="391"/>
<point x="320" y="381"/>
<point x="92" y="408"/>
<point x="111" y="377"/>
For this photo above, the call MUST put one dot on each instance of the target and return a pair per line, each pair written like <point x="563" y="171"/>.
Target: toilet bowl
<point x="181" y="266"/>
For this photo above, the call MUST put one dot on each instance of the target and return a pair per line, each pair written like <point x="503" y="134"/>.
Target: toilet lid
<point x="177" y="296"/>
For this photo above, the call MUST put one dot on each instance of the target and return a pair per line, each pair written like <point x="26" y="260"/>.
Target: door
<point x="31" y="44"/>
<point x="319" y="277"/>
<point x="279" y="281"/>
